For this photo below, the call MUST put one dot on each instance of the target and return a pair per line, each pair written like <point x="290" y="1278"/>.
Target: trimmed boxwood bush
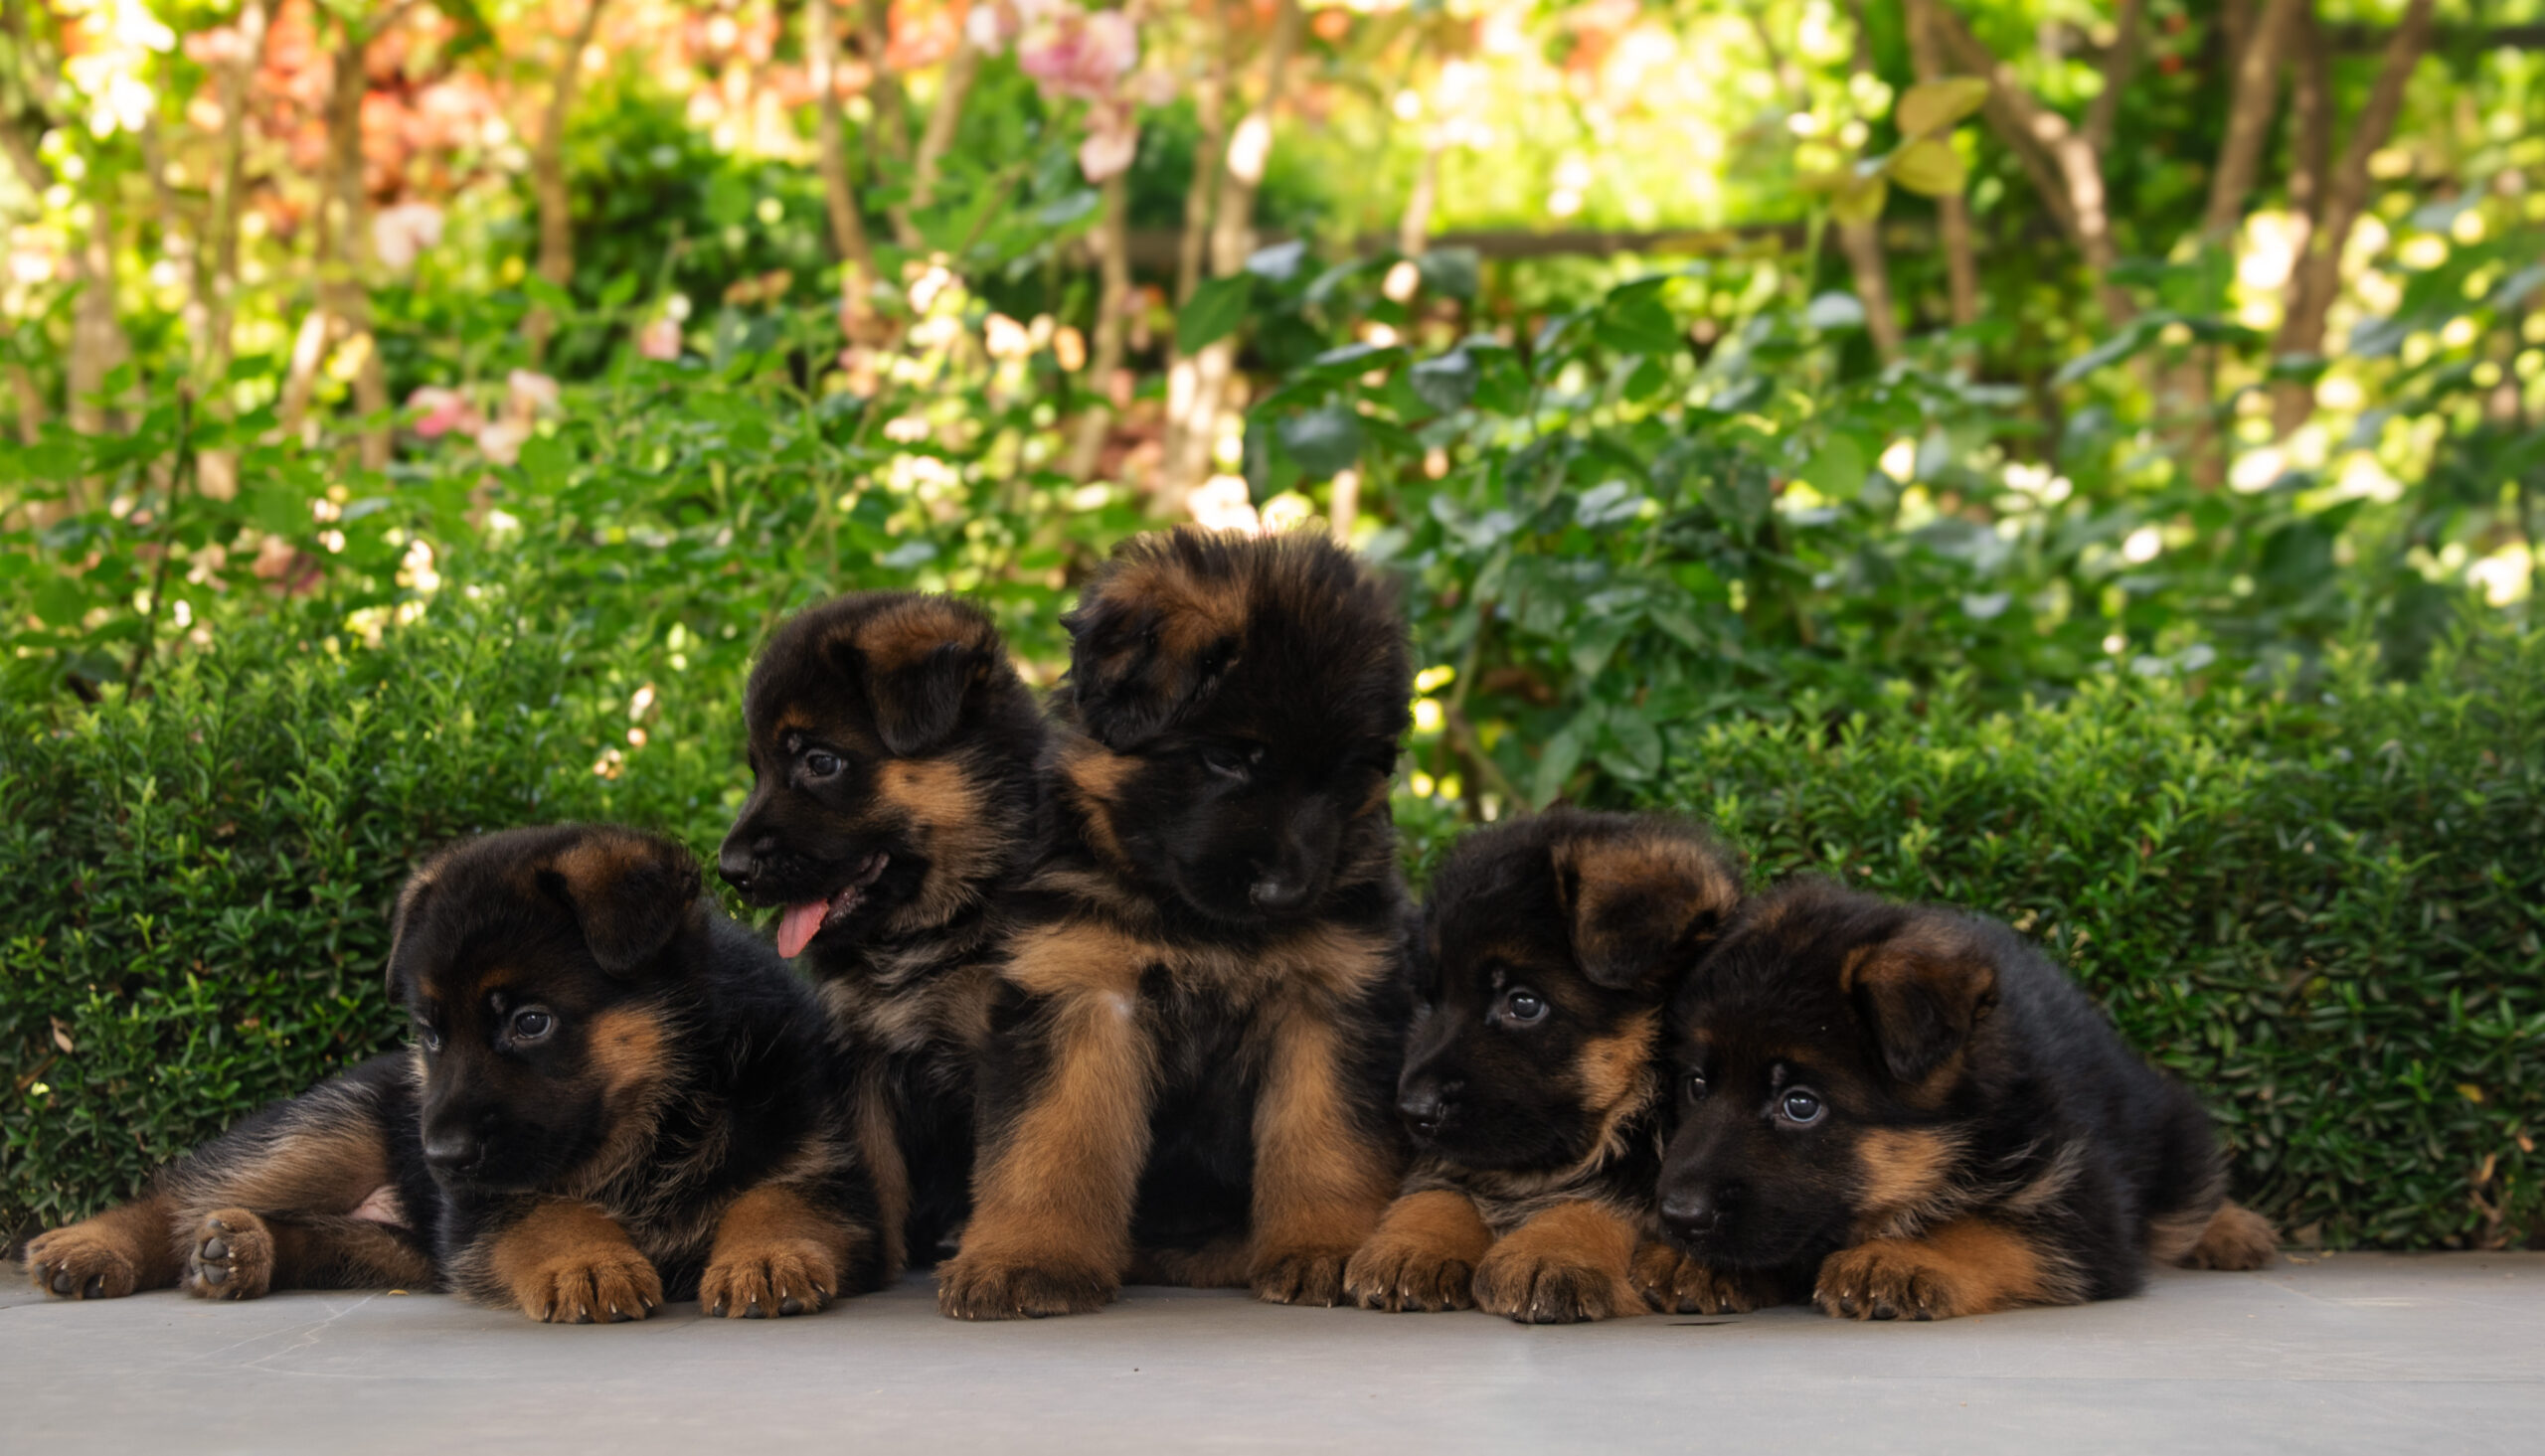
<point x="2323" y="912"/>
<point x="2323" y="909"/>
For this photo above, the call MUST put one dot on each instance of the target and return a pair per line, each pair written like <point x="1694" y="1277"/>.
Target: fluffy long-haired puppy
<point x="614" y="1097"/>
<point x="894" y="753"/>
<point x="1903" y="1112"/>
<point x="1533" y="1074"/>
<point x="1189" y="1055"/>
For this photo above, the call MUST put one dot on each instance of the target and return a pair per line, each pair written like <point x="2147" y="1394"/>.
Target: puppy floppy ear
<point x="1641" y="905"/>
<point x="919" y="663"/>
<point x="1151" y="639"/>
<point x="1922" y="990"/>
<point x="412" y="900"/>
<point x="630" y="894"/>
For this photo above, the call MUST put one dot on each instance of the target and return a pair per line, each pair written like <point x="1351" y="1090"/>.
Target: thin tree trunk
<point x="98" y="342"/>
<point x="341" y="252"/>
<point x="1953" y="213"/>
<point x="848" y="228"/>
<point x="2319" y="275"/>
<point x="30" y="402"/>
<point x="2249" y="117"/>
<point x="548" y="179"/>
<point x="1210" y="113"/>
<point x="1112" y="324"/>
<point x="943" y="117"/>
<point x="229" y="188"/>
<point x="1413" y="229"/>
<point x="1195" y="434"/>
<point x="2310" y="103"/>
<point x="1862" y="241"/>
<point x="887" y="136"/>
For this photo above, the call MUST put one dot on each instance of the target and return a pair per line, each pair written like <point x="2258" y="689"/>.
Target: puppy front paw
<point x="785" y="1278"/>
<point x="1403" y="1275"/>
<point x="977" y="1288"/>
<point x="1673" y="1283"/>
<point x="1299" y="1276"/>
<point x="1888" y="1280"/>
<point x="591" y="1286"/>
<point x="230" y="1256"/>
<point x="1535" y="1287"/>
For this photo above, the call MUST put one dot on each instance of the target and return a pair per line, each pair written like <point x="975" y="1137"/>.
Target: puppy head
<point x="1550" y="946"/>
<point x="1821" y="1059"/>
<point x="1236" y="704"/>
<point x="539" y="967"/>
<point x="892" y="750"/>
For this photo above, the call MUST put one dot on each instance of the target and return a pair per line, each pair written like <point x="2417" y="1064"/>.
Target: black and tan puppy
<point x="1909" y="1113"/>
<point x="893" y="753"/>
<point x="1190" y="1052"/>
<point x="1532" y="1079"/>
<point x="616" y="1096"/>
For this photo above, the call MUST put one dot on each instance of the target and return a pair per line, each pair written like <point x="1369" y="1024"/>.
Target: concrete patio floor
<point x="2353" y="1353"/>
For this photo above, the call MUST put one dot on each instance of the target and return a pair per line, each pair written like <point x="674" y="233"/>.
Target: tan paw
<point x="230" y="1256"/>
<point x="2237" y="1238"/>
<point x="1402" y="1274"/>
<point x="1299" y="1276"/>
<point x="784" y="1277"/>
<point x="1889" y="1281"/>
<point x="1535" y="1288"/>
<point x="595" y="1286"/>
<point x="970" y="1288"/>
<point x="82" y="1262"/>
<point x="1673" y="1283"/>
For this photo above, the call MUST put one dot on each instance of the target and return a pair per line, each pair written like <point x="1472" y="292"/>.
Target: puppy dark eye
<point x="1221" y="758"/>
<point x="1524" y="1006"/>
<point x="820" y="764"/>
<point x="1696" y="1086"/>
<point x="532" y="1024"/>
<point x="430" y="1037"/>
<point x="1800" y="1107"/>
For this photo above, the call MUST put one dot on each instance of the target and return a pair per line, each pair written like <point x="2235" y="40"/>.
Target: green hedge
<point x="2325" y="911"/>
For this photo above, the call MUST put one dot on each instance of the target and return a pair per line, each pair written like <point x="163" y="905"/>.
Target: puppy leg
<point x="1970" y="1266"/>
<point x="115" y="1253"/>
<point x="1568" y="1264"/>
<point x="567" y="1263"/>
<point x="1052" y="1190"/>
<point x="1320" y="1181"/>
<point x="778" y="1252"/>
<point x="2236" y="1237"/>
<point x="1673" y="1283"/>
<point x="235" y="1253"/>
<point x="1423" y="1256"/>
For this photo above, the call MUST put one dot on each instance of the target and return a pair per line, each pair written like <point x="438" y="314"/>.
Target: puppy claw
<point x="1403" y="1276"/>
<point x="79" y="1262"/>
<point x="1878" y="1283"/>
<point x="1673" y="1283"/>
<point x="970" y="1288"/>
<point x="1538" y="1291"/>
<point x="761" y="1280"/>
<point x="605" y="1285"/>
<point x="1305" y="1276"/>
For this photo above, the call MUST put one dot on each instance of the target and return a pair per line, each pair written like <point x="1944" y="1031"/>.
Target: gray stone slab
<point x="2353" y="1353"/>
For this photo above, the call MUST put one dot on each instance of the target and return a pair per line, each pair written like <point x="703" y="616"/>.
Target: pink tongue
<point x="795" y="928"/>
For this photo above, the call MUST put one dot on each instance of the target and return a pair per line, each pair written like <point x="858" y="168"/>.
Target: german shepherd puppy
<point x="1190" y="1052"/>
<point x="893" y="752"/>
<point x="612" y="1098"/>
<point x="1911" y="1113"/>
<point x="1533" y="1079"/>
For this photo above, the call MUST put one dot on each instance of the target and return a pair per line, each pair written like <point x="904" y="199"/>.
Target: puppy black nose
<point x="1279" y="895"/>
<point x="737" y="866"/>
<point x="1691" y="1214"/>
<point x="451" y="1151"/>
<point x="1424" y="1110"/>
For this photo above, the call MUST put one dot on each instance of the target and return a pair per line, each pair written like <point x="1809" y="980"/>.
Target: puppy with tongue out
<point x="891" y="748"/>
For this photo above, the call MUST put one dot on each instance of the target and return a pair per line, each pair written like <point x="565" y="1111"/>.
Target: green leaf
<point x="1939" y="104"/>
<point x="1559" y="755"/>
<point x="1860" y="200"/>
<point x="1835" y="310"/>
<point x="1448" y="381"/>
<point x="1929" y="167"/>
<point x="1217" y="307"/>
<point x="1453" y="272"/>
<point x="1323" y="440"/>
<point x="1838" y="470"/>
<point x="546" y="461"/>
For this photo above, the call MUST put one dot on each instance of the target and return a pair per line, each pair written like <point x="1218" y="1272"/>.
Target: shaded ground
<point x="2355" y="1353"/>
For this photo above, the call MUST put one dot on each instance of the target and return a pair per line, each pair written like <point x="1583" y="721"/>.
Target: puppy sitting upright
<point x="1532" y="1078"/>
<point x="1913" y="1114"/>
<point x="1188" y="1056"/>
<point x="613" y="1098"/>
<point x="893" y="753"/>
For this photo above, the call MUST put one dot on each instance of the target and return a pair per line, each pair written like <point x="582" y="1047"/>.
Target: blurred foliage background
<point x="415" y="413"/>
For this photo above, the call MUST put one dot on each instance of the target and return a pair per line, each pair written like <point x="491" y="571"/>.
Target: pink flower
<point x="1112" y="139"/>
<point x="221" y="44"/>
<point x="659" y="339"/>
<point x="1070" y="53"/>
<point x="445" y="412"/>
<point x="528" y="393"/>
<point x="502" y="440"/>
<point x="399" y="233"/>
